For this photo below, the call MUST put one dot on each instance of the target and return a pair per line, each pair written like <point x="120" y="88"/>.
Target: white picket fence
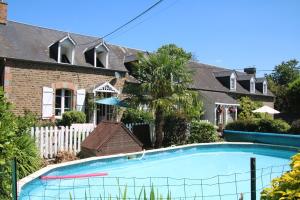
<point x="51" y="140"/>
<point x="130" y="126"/>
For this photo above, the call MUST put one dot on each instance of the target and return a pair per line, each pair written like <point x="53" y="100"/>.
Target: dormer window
<point x="252" y="85"/>
<point x="265" y="87"/>
<point x="232" y="82"/>
<point x="63" y="51"/>
<point x="97" y="55"/>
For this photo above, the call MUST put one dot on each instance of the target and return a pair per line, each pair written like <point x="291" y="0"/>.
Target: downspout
<point x="2" y="72"/>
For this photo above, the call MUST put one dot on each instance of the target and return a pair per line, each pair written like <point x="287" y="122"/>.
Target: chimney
<point x="3" y="12"/>
<point x="250" y="70"/>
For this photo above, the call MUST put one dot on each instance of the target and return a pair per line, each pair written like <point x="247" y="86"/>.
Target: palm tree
<point x="163" y="85"/>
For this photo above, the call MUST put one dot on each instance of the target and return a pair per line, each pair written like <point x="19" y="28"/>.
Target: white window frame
<point x="69" y="48"/>
<point x="62" y="106"/>
<point x="232" y="87"/>
<point x="252" y="85"/>
<point x="101" y="49"/>
<point x="265" y="87"/>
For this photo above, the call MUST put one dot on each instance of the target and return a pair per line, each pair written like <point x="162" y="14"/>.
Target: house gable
<point x="106" y="87"/>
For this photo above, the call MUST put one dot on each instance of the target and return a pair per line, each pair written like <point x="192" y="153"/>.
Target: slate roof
<point x="219" y="97"/>
<point x="245" y="77"/>
<point x="224" y="73"/>
<point x="260" y="80"/>
<point x="204" y="78"/>
<point x="27" y="42"/>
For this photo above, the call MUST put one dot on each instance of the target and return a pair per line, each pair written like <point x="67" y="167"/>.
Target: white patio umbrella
<point x="266" y="109"/>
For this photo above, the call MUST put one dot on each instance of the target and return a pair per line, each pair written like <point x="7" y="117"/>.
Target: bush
<point x="242" y="125"/>
<point x="28" y="156"/>
<point x="136" y="116"/>
<point x="272" y="126"/>
<point x="295" y="128"/>
<point x="259" y="125"/>
<point x="72" y="117"/>
<point x="15" y="142"/>
<point x="202" y="132"/>
<point x="287" y="186"/>
<point x="175" y="130"/>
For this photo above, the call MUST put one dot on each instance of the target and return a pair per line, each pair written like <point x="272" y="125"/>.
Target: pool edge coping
<point x="48" y="168"/>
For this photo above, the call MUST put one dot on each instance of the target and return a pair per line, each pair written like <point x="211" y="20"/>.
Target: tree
<point x="293" y="93"/>
<point x="285" y="73"/>
<point x="246" y="108"/>
<point x="278" y="81"/>
<point x="163" y="86"/>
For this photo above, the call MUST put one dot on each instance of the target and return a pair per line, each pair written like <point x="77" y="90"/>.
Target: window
<point x="97" y="55"/>
<point x="101" y="56"/>
<point x="265" y="87"/>
<point x="63" y="101"/>
<point x="66" y="52"/>
<point x="63" y="51"/>
<point x="233" y="82"/>
<point x="252" y="85"/>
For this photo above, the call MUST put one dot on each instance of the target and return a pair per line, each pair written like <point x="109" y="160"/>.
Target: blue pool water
<point x="219" y="171"/>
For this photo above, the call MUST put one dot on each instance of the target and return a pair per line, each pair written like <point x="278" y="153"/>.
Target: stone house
<point x="220" y="89"/>
<point x="50" y="72"/>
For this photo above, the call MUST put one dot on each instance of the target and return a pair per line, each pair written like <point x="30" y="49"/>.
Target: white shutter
<point x="47" y="104"/>
<point x="80" y="100"/>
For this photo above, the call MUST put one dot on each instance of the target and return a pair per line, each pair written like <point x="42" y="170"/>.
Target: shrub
<point x="202" y="132"/>
<point x="136" y="116"/>
<point x="72" y="117"/>
<point x="242" y="125"/>
<point x="295" y="128"/>
<point x="259" y="125"/>
<point x="15" y="142"/>
<point x="287" y="186"/>
<point x="27" y="156"/>
<point x="175" y="130"/>
<point x="273" y="126"/>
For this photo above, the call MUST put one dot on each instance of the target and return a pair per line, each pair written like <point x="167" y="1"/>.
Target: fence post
<point x="14" y="179"/>
<point x="253" y="178"/>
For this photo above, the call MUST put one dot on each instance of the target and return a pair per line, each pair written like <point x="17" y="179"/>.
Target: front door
<point x="104" y="112"/>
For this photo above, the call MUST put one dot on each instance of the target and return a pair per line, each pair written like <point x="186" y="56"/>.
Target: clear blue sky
<point x="228" y="33"/>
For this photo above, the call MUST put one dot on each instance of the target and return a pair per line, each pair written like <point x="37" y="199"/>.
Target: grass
<point x="123" y="195"/>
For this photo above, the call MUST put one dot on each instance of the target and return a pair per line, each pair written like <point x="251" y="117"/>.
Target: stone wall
<point x="3" y="12"/>
<point x="24" y="81"/>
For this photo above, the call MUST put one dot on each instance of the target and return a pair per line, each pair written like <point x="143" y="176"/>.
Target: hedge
<point x="259" y="125"/>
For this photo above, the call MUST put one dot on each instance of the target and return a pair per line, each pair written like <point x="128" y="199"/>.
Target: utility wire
<point x="141" y="14"/>
<point x="122" y="26"/>
<point x="148" y="18"/>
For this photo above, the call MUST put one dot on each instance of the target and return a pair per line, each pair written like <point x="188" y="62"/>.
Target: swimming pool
<point x="207" y="171"/>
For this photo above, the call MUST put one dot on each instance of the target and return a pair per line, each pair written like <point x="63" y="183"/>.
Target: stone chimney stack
<point x="3" y="12"/>
<point x="250" y="70"/>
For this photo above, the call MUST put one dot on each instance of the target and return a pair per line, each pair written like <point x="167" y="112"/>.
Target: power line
<point x="130" y="28"/>
<point x="122" y="26"/>
<point x="133" y="19"/>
